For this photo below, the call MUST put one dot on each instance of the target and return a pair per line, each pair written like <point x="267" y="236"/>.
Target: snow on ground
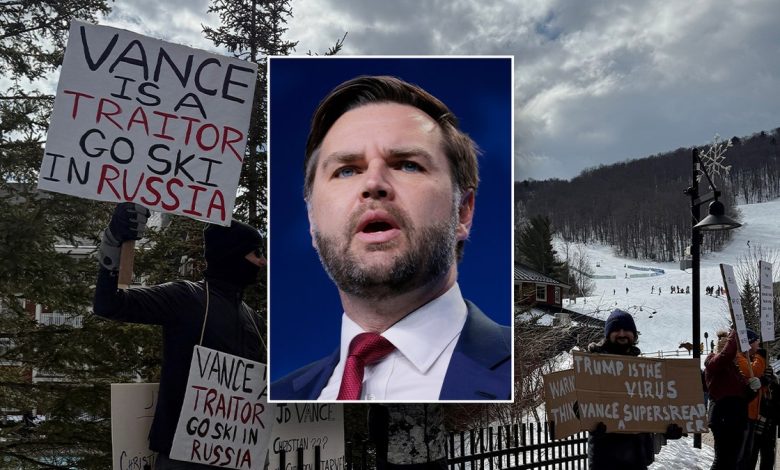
<point x="664" y="321"/>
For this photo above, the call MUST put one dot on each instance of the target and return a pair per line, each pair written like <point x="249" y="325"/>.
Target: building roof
<point x="525" y="274"/>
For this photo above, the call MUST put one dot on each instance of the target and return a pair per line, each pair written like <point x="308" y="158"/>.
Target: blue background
<point x="305" y="309"/>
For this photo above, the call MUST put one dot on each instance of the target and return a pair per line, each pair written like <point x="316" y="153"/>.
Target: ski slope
<point x="664" y="321"/>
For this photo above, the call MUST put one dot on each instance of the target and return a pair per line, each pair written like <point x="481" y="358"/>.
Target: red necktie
<point x="364" y="350"/>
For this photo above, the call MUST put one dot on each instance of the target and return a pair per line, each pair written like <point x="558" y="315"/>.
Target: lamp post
<point x="716" y="220"/>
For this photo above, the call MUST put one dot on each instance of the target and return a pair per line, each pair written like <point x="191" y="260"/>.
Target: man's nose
<point x="377" y="181"/>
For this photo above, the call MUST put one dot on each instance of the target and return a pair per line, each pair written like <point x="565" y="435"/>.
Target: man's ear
<point x="465" y="214"/>
<point x="311" y="224"/>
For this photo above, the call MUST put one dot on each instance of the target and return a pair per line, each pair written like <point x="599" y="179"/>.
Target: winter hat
<point x="618" y="320"/>
<point x="752" y="336"/>
<point x="225" y="249"/>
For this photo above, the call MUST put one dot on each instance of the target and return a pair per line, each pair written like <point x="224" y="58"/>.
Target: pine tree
<point x="535" y="249"/>
<point x="750" y="306"/>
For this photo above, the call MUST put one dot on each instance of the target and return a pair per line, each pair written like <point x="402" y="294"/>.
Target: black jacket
<point x="613" y="450"/>
<point x="179" y="306"/>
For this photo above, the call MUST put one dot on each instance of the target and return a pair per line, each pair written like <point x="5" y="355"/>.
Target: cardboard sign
<point x="766" y="297"/>
<point x="225" y="420"/>
<point x="132" y="411"/>
<point x="142" y="120"/>
<point x="629" y="394"/>
<point x="735" y="305"/>
<point x="560" y="396"/>
<point x="307" y="425"/>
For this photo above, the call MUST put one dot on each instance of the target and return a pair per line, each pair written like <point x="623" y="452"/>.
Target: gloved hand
<point x="769" y="376"/>
<point x="673" y="431"/>
<point x="754" y="383"/>
<point x="601" y="428"/>
<point x="127" y="223"/>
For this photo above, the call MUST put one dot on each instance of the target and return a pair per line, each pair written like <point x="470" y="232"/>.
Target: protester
<point x="766" y="426"/>
<point x="180" y="307"/>
<point x="729" y="393"/>
<point x="629" y="451"/>
<point x="754" y="370"/>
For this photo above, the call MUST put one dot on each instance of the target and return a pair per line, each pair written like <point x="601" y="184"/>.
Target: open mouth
<point x="377" y="226"/>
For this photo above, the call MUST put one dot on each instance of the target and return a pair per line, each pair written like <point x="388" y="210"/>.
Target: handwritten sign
<point x="132" y="412"/>
<point x="561" y="401"/>
<point x="307" y="425"/>
<point x="735" y="305"/>
<point x="766" y="297"/>
<point x="142" y="120"/>
<point x="628" y="394"/>
<point x="225" y="420"/>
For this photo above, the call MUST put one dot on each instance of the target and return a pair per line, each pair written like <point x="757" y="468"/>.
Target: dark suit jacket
<point x="480" y="367"/>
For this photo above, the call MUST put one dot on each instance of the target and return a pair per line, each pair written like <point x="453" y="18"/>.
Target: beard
<point x="430" y="255"/>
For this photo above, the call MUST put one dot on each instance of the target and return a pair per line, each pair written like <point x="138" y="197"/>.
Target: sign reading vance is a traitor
<point x="633" y="394"/>
<point x="142" y="120"/>
<point x="306" y="426"/>
<point x="225" y="420"/>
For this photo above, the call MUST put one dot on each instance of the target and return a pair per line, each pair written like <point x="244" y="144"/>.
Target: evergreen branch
<point x="24" y="458"/>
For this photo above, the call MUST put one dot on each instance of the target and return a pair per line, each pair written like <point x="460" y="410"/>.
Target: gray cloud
<point x="595" y="82"/>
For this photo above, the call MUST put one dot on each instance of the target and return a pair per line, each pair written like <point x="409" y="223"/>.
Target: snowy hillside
<point x="664" y="320"/>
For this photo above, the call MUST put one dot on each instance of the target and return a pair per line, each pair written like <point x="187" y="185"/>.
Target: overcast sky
<point x="596" y="82"/>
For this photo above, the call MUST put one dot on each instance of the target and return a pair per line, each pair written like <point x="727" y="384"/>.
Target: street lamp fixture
<point x="716" y="220"/>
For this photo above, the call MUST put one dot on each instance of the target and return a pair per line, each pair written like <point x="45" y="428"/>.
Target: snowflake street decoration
<point x="713" y="158"/>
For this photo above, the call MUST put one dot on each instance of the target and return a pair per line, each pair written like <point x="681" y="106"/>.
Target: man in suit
<point x="390" y="182"/>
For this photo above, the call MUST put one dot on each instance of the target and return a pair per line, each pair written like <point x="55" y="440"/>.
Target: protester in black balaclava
<point x="232" y="264"/>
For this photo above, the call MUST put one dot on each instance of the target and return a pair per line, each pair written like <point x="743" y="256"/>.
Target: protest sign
<point x="629" y="394"/>
<point x="225" y="420"/>
<point x="735" y="305"/>
<point x="306" y="426"/>
<point x="766" y="297"/>
<point x="142" y="120"/>
<point x="634" y="394"/>
<point x="560" y="397"/>
<point x="132" y="411"/>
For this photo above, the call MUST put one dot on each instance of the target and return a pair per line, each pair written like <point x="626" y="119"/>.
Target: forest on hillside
<point x="639" y="207"/>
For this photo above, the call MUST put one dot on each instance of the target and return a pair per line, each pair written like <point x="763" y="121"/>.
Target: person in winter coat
<point x="625" y="451"/>
<point x="765" y="432"/>
<point x="755" y="369"/>
<point x="729" y="391"/>
<point x="180" y="307"/>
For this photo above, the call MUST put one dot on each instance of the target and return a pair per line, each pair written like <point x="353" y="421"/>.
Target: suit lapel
<point x="480" y="365"/>
<point x="309" y="385"/>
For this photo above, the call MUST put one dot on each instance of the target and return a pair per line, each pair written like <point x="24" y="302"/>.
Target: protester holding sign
<point x="232" y="264"/>
<point x="730" y="393"/>
<point x="608" y="450"/>
<point x="752" y="371"/>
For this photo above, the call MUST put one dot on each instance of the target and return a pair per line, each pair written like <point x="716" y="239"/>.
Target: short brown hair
<point x="460" y="150"/>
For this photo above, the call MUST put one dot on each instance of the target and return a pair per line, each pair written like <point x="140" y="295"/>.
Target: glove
<point x="673" y="432"/>
<point x="127" y="223"/>
<point x="754" y="383"/>
<point x="769" y="376"/>
<point x="601" y="428"/>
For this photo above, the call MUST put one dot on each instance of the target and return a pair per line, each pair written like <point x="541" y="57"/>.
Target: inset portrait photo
<point x="390" y="252"/>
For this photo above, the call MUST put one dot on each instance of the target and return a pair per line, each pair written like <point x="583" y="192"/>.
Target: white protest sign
<point x="306" y="426"/>
<point x="132" y="412"/>
<point x="225" y="420"/>
<point x="142" y="120"/>
<point x="735" y="305"/>
<point x="766" y="296"/>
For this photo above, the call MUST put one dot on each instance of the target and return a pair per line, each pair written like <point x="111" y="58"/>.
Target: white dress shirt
<point x="424" y="342"/>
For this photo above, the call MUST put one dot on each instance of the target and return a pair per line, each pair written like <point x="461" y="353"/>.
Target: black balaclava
<point x="225" y="250"/>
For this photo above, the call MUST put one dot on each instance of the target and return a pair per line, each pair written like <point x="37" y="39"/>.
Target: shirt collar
<point x="422" y="335"/>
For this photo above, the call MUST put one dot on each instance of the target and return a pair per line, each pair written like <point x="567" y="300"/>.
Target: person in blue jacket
<point x="232" y="263"/>
<point x="390" y="183"/>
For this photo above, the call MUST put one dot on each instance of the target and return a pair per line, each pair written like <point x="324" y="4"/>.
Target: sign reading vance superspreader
<point x="142" y="120"/>
<point x="627" y="394"/>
